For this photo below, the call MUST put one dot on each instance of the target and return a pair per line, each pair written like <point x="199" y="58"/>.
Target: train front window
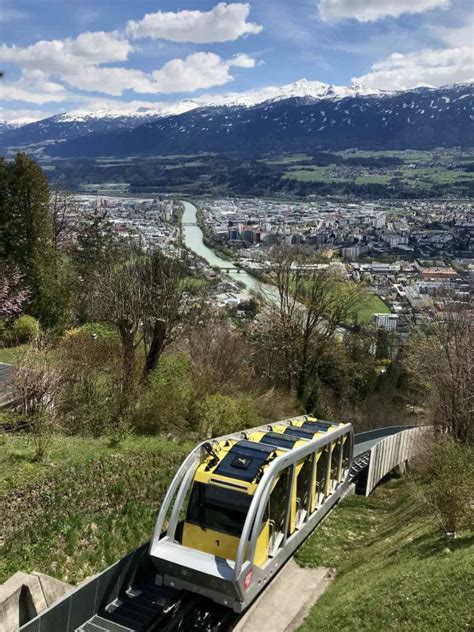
<point x="219" y="509"/>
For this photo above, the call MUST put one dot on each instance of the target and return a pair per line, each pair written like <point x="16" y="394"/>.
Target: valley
<point x="349" y="174"/>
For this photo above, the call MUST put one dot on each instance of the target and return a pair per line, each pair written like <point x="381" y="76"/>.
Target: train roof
<point x="244" y="460"/>
<point x="299" y="431"/>
<point x="279" y="440"/>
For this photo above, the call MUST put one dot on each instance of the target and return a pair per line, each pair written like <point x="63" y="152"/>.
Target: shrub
<point x="99" y="331"/>
<point x="90" y="397"/>
<point x="220" y="414"/>
<point x="164" y="406"/>
<point x="4" y="333"/>
<point x="446" y="483"/>
<point x="24" y="329"/>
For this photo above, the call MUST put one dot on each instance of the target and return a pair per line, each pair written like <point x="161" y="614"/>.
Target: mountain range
<point x="299" y="117"/>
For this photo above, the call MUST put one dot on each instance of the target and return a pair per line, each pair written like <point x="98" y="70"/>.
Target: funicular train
<point x="241" y="504"/>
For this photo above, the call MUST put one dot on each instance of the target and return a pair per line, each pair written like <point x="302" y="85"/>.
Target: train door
<point x="303" y="489"/>
<point x="321" y="475"/>
<point x="281" y="500"/>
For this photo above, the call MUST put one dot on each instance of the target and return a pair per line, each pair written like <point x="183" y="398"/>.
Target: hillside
<point x="420" y="119"/>
<point x="300" y="119"/>
<point x="84" y="507"/>
<point x="394" y="570"/>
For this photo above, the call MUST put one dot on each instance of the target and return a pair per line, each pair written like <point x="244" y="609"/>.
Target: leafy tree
<point x="295" y="330"/>
<point x="27" y="237"/>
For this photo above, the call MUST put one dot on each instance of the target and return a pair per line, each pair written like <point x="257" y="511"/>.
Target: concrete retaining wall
<point x="25" y="595"/>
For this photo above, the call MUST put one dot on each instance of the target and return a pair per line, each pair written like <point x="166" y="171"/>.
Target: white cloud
<point x="34" y="87"/>
<point x="224" y="23"/>
<point x="197" y="71"/>
<point x="69" y="55"/>
<point x="112" y="81"/>
<point x="80" y="63"/>
<point x="427" y="67"/>
<point x="371" y="10"/>
<point x="22" y="117"/>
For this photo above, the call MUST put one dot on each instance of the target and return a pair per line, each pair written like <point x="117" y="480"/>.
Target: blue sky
<point x="59" y="55"/>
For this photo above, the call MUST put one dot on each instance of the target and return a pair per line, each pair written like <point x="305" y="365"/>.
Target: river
<point x="193" y="239"/>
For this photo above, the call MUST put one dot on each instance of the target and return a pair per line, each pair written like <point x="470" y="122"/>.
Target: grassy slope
<point x="394" y="570"/>
<point x="82" y="509"/>
<point x="12" y="355"/>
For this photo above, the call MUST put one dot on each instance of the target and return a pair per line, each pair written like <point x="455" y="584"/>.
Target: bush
<point x="99" y="331"/>
<point x="4" y="333"/>
<point x="24" y="329"/>
<point x="90" y="397"/>
<point x="220" y="414"/>
<point x="164" y="406"/>
<point x="446" y="483"/>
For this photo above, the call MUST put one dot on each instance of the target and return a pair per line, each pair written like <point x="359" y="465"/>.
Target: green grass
<point x="195" y="282"/>
<point x="395" y="571"/>
<point x="373" y="304"/>
<point x="375" y="179"/>
<point x="82" y="508"/>
<point x="313" y="174"/>
<point x="12" y="355"/>
<point x="284" y="160"/>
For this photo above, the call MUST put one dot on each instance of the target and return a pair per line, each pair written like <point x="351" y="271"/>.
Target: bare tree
<point x="164" y="308"/>
<point x="65" y="215"/>
<point x="36" y="386"/>
<point x="312" y="305"/>
<point x="440" y="358"/>
<point x="143" y="298"/>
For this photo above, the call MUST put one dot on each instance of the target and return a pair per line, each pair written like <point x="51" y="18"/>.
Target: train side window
<point x="321" y="475"/>
<point x="279" y="499"/>
<point x="336" y="463"/>
<point x="346" y="455"/>
<point x="303" y="489"/>
<point x="334" y="468"/>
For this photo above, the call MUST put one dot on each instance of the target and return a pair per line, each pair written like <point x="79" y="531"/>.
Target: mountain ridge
<point x="123" y="131"/>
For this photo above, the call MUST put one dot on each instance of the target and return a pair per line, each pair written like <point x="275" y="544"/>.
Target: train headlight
<point x="248" y="579"/>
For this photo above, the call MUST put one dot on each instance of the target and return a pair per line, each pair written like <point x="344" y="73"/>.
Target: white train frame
<point x="237" y="583"/>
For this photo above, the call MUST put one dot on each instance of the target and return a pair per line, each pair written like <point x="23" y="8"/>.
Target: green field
<point x="84" y="507"/>
<point x="395" y="571"/>
<point x="284" y="160"/>
<point x="373" y="304"/>
<point x="313" y="174"/>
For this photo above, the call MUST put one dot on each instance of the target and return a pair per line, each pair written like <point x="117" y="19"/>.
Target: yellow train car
<point x="241" y="504"/>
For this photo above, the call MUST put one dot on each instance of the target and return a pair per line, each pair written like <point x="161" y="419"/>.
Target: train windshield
<point x="213" y="507"/>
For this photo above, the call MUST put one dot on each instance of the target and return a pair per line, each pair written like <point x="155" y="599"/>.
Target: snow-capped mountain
<point x="423" y="118"/>
<point x="303" y="113"/>
<point x="108" y="117"/>
<point x="301" y="88"/>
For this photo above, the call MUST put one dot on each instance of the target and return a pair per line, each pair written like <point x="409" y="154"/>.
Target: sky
<point x="59" y="55"/>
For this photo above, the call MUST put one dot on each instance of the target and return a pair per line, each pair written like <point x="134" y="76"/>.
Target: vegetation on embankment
<point x="395" y="571"/>
<point x="84" y="507"/>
